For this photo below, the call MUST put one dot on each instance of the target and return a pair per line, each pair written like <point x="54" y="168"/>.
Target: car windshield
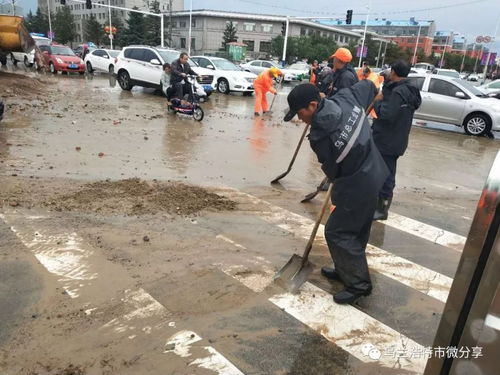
<point x="42" y="42"/>
<point x="62" y="51"/>
<point x="224" y="65"/>
<point x="449" y="73"/>
<point x="472" y="89"/>
<point x="171" y="56"/>
<point x="113" y="53"/>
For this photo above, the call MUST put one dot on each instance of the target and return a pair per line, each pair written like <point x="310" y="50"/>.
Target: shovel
<point x="310" y="196"/>
<point x="297" y="270"/>
<point x="293" y="158"/>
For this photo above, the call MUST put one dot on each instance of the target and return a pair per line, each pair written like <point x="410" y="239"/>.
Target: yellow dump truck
<point x="14" y="37"/>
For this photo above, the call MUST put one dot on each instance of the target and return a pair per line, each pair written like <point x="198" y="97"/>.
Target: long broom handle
<point x="316" y="224"/>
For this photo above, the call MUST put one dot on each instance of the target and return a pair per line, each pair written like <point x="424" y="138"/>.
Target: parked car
<point x="29" y="58"/>
<point x="79" y="50"/>
<point x="423" y="68"/>
<point x="473" y="77"/>
<point x="492" y="87"/>
<point x="258" y="66"/>
<point x="60" y="58"/>
<point x="142" y="66"/>
<point x="101" y="59"/>
<point x="227" y="76"/>
<point x="300" y="69"/>
<point x="447" y="72"/>
<point x="455" y="101"/>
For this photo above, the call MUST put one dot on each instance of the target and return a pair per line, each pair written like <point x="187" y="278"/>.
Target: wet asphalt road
<point x="439" y="181"/>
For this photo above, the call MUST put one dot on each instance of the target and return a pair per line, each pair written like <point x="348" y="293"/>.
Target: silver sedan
<point x="454" y="101"/>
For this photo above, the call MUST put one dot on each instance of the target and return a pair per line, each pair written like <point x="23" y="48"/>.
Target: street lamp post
<point x="414" y="61"/>
<point x="110" y="26"/>
<point x="50" y="21"/>
<point x="285" y="42"/>
<point x="463" y="58"/>
<point x="378" y="55"/>
<point x="489" y="52"/>
<point x="190" y="26"/>
<point x="364" y="34"/>
<point x="444" y="50"/>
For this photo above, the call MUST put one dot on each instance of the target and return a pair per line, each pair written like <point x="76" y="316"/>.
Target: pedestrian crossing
<point x="353" y="329"/>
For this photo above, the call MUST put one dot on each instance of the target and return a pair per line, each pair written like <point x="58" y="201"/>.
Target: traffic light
<point x="88" y="4"/>
<point x="348" y="17"/>
<point x="63" y="2"/>
<point x="283" y="28"/>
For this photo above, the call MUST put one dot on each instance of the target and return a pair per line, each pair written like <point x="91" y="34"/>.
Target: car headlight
<point x="81" y="61"/>
<point x="250" y="79"/>
<point x="59" y="61"/>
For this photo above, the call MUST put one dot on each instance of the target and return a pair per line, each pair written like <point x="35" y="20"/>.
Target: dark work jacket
<point x="177" y="69"/>
<point x="391" y="128"/>
<point x="358" y="172"/>
<point x="338" y="80"/>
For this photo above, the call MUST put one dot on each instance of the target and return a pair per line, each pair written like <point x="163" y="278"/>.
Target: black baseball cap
<point x="300" y="97"/>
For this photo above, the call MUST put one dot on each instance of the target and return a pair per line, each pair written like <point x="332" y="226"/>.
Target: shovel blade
<point x="293" y="274"/>
<point x="309" y="196"/>
<point x="275" y="181"/>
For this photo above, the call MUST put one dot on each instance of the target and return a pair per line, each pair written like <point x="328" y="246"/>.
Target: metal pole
<point x="379" y="50"/>
<point x="110" y="26"/>
<point x="463" y="59"/>
<point x="364" y="33"/>
<point x="13" y="8"/>
<point x="383" y="59"/>
<point x="162" y="28"/>
<point x="50" y="21"/>
<point x="170" y="25"/>
<point x="489" y="52"/>
<point x="190" y="24"/>
<point x="414" y="60"/>
<point x="444" y="51"/>
<point x="285" y="41"/>
<point x="477" y="57"/>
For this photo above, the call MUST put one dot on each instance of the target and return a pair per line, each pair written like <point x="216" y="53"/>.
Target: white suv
<point x="142" y="66"/>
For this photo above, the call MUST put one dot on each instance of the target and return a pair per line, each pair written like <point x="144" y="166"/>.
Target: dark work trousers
<point x="347" y="231"/>
<point x="390" y="182"/>
<point x="183" y="89"/>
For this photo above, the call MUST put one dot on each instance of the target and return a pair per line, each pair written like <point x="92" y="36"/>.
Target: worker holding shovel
<point x="341" y="138"/>
<point x="262" y="85"/>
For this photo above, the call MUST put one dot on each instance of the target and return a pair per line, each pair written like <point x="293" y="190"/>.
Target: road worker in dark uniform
<point x="341" y="138"/>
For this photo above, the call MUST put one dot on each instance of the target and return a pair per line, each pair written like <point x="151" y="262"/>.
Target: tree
<point x="312" y="47"/>
<point x="93" y="31"/>
<point x="118" y="38"/>
<point x="37" y="23"/>
<point x="134" y="32"/>
<point x="153" y="34"/>
<point x="64" y="26"/>
<point x="229" y="35"/>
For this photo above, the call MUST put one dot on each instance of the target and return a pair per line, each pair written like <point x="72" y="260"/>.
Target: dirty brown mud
<point x="136" y="197"/>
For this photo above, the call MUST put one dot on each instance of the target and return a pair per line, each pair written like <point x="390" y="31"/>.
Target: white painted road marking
<point x="344" y="325"/>
<point x="402" y="270"/>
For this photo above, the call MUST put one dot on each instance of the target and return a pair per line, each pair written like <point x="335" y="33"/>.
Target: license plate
<point x="73" y="66"/>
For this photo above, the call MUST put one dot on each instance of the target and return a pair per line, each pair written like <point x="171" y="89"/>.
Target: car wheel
<point x="27" y="64"/>
<point x="477" y="124"/>
<point x="248" y="93"/>
<point x="89" y="67"/>
<point x="3" y="59"/>
<point x="124" y="80"/>
<point x="13" y="59"/>
<point x="111" y="69"/>
<point x="223" y="86"/>
<point x="52" y="68"/>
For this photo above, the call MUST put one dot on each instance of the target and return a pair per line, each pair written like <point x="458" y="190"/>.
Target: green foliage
<point x="229" y="35"/>
<point x="153" y="34"/>
<point x="64" y="26"/>
<point x="37" y="23"/>
<point x="135" y="29"/>
<point x="93" y="31"/>
<point x="312" y="47"/>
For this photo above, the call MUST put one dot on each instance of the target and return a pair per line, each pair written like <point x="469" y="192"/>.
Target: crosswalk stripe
<point x="426" y="231"/>
<point x="64" y="255"/>
<point x="349" y="328"/>
<point x="402" y="270"/>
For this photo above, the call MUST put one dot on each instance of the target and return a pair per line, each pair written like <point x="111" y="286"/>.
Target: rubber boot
<point x="382" y="211"/>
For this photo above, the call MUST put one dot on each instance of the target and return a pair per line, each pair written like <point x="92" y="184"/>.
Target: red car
<point x="61" y="58"/>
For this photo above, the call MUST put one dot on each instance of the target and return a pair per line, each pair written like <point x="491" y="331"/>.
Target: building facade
<point x="15" y="10"/>
<point x="255" y="30"/>
<point x="102" y="14"/>
<point x="402" y="32"/>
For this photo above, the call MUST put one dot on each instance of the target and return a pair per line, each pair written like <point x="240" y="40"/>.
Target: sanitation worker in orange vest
<point x="262" y="85"/>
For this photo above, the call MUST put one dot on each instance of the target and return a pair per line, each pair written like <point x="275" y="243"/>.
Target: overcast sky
<point x="475" y="18"/>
